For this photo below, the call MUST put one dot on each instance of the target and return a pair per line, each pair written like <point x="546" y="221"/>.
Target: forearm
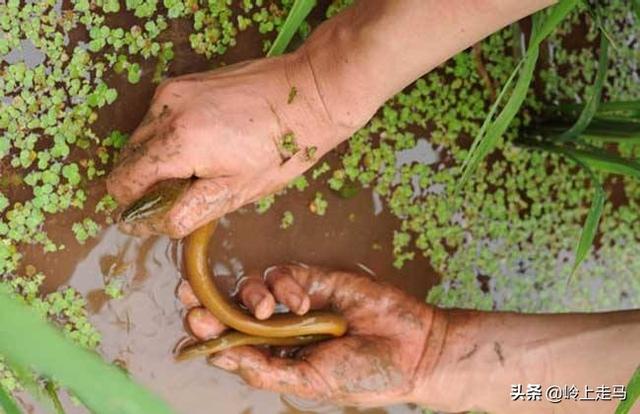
<point x="375" y="48"/>
<point x="483" y="354"/>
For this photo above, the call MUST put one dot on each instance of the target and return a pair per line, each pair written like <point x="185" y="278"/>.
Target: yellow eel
<point x="285" y="329"/>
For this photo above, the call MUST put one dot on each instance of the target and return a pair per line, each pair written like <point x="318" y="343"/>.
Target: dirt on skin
<point x="141" y="329"/>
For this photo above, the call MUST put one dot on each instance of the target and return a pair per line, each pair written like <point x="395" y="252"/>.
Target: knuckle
<point x="176" y="230"/>
<point x="179" y="221"/>
<point x="114" y="188"/>
<point x="254" y="379"/>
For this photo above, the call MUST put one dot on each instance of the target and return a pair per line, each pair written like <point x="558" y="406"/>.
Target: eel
<point x="283" y="329"/>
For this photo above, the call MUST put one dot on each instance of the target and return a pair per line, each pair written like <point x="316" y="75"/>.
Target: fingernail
<point x="224" y="362"/>
<point x="263" y="309"/>
<point x="268" y="271"/>
<point x="294" y="302"/>
<point x="254" y="300"/>
<point x="274" y="270"/>
<point x="304" y="305"/>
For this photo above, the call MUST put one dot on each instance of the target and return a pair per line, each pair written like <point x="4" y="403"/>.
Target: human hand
<point x="383" y="359"/>
<point x="244" y="132"/>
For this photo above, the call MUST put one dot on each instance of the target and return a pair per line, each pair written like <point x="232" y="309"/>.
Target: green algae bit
<point x="520" y="234"/>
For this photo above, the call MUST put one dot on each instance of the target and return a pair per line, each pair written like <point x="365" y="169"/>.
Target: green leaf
<point x="590" y="227"/>
<point x="633" y="387"/>
<point x="594" y="158"/>
<point x="609" y="163"/>
<point x="22" y="334"/>
<point x="133" y="73"/>
<point x="495" y="129"/>
<point x="543" y="24"/>
<point x="552" y="19"/>
<point x="636" y="8"/>
<point x="110" y="95"/>
<point x="625" y="110"/>
<point x="7" y="403"/>
<point x="591" y="107"/>
<point x="299" y="12"/>
<point x="52" y="392"/>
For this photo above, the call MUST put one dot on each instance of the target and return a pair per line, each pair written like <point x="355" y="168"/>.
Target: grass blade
<point x="610" y="110"/>
<point x="484" y="143"/>
<point x="633" y="392"/>
<point x="608" y="163"/>
<point x="543" y="24"/>
<point x="605" y="130"/>
<point x="52" y="391"/>
<point x="595" y="159"/>
<point x="591" y="106"/>
<point x="27" y="379"/>
<point x="299" y="12"/>
<point x="555" y="16"/>
<point x="590" y="228"/>
<point x="8" y="405"/>
<point x="103" y="388"/>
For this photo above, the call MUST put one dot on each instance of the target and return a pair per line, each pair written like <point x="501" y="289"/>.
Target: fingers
<point x="299" y="288"/>
<point x="272" y="373"/>
<point x="316" y="284"/>
<point x="207" y="199"/>
<point x="256" y="297"/>
<point x="260" y="294"/>
<point x="200" y="321"/>
<point x="145" y="131"/>
<point x="343" y="291"/>
<point x="203" y="324"/>
<point x="187" y="296"/>
<point x="156" y="159"/>
<point x="287" y="290"/>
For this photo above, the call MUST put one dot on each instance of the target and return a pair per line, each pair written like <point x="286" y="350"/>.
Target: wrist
<point x="334" y="55"/>
<point x="432" y="381"/>
<point x="480" y="356"/>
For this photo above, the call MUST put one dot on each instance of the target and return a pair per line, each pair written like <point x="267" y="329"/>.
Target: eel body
<point x="286" y="329"/>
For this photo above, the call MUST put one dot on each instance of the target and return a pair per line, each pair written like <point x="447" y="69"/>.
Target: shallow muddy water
<point x="141" y="329"/>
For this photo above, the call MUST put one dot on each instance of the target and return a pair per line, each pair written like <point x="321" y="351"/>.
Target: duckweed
<point x="287" y="220"/>
<point x="505" y="242"/>
<point x="52" y="87"/>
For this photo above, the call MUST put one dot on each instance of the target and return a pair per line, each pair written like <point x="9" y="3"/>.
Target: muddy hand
<point x="244" y="131"/>
<point x="377" y="363"/>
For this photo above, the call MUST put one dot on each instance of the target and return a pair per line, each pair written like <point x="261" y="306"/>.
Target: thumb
<point x="205" y="200"/>
<point x="281" y="375"/>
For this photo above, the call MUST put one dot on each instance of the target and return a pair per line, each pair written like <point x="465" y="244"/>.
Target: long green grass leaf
<point x="605" y="130"/>
<point x="608" y="163"/>
<point x="103" y="388"/>
<point x="483" y="144"/>
<point x="633" y="392"/>
<point x="491" y="114"/>
<point x="7" y="403"/>
<point x="28" y="381"/>
<point x="52" y="391"/>
<point x="591" y="106"/>
<point x="299" y="12"/>
<point x="590" y="228"/>
<point x="593" y="158"/>
<point x="624" y="110"/>
<point x="491" y="131"/>
<point x="552" y="19"/>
